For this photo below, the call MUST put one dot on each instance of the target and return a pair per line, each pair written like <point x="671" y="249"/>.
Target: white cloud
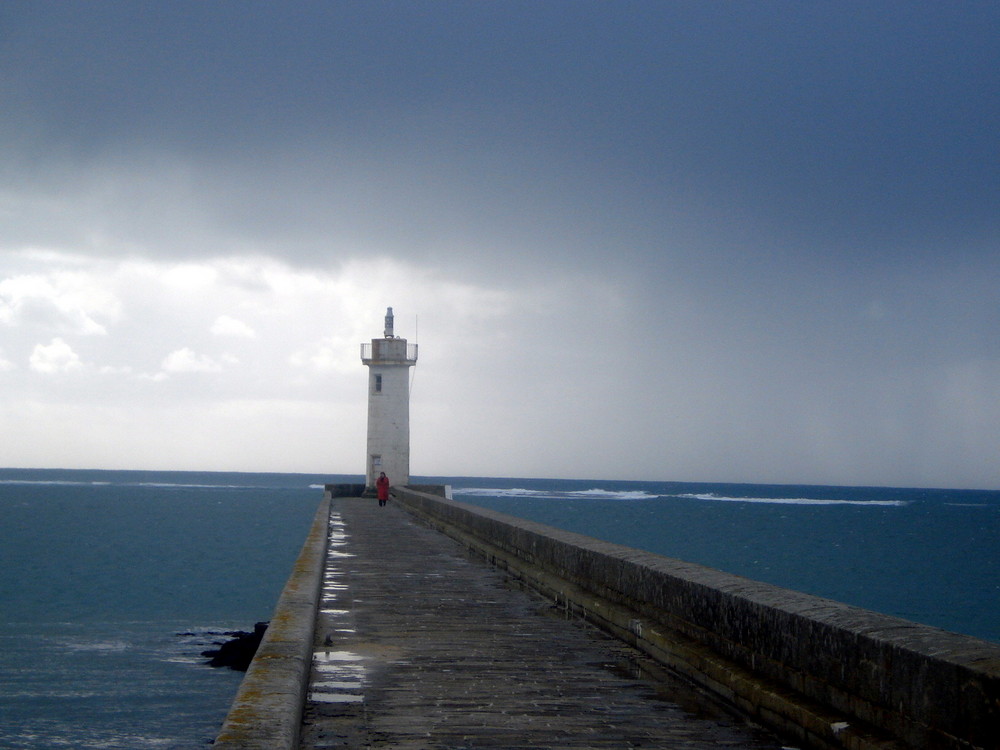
<point x="57" y="356"/>
<point x="561" y="375"/>
<point x="329" y="355"/>
<point x="112" y="370"/>
<point x="5" y="364"/>
<point x="61" y="300"/>
<point x="191" y="277"/>
<point x="225" y="325"/>
<point x="185" y="360"/>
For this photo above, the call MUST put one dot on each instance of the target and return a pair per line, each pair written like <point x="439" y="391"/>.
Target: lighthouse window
<point x="378" y="384"/>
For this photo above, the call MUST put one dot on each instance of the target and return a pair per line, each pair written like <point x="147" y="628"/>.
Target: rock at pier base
<point x="239" y="652"/>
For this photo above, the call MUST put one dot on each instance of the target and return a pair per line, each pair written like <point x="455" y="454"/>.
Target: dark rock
<point x="238" y="652"/>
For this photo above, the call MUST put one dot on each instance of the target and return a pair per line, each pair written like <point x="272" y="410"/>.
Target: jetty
<point x="435" y="624"/>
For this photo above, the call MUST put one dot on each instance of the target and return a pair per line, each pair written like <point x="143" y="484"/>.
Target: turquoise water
<point x="112" y="583"/>
<point x="932" y="556"/>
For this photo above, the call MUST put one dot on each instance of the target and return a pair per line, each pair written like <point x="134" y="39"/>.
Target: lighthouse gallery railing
<point x="366" y="354"/>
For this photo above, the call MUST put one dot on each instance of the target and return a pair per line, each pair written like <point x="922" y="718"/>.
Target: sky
<point x="693" y="241"/>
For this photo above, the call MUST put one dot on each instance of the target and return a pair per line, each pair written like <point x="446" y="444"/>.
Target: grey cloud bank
<point x="744" y="242"/>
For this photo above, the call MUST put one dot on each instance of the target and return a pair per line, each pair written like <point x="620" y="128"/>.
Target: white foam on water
<point x="169" y="485"/>
<point x="103" y="645"/>
<point x="595" y="493"/>
<point x="95" y="483"/>
<point x="711" y="496"/>
<point x="613" y="494"/>
<point x="500" y="492"/>
<point x="60" y="482"/>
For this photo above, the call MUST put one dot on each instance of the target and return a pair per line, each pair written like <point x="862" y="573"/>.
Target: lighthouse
<point x="389" y="360"/>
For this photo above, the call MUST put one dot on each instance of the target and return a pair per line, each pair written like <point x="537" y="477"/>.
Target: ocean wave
<point x="63" y="482"/>
<point x="99" y="645"/>
<point x="595" y="493"/>
<point x="499" y="492"/>
<point x="182" y="486"/>
<point x="711" y="496"/>
<point x="614" y="494"/>
<point x="158" y="485"/>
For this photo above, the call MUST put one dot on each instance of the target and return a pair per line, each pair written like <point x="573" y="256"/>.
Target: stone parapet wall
<point x="331" y="491"/>
<point x="827" y="674"/>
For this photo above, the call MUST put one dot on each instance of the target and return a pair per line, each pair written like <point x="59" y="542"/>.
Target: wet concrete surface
<point x="421" y="645"/>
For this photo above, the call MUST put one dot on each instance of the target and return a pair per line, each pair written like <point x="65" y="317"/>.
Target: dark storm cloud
<point x="843" y="122"/>
<point x="771" y="226"/>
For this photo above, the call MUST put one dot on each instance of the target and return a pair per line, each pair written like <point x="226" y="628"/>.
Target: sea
<point x="112" y="583"/>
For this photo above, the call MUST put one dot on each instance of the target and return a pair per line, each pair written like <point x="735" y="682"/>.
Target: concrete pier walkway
<point x="420" y="645"/>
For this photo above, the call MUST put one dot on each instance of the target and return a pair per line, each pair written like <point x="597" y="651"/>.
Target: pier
<point x="431" y="624"/>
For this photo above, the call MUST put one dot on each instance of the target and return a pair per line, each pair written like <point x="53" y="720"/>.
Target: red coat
<point x="382" y="488"/>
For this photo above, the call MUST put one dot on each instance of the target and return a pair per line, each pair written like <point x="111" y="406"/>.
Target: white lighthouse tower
<point x="389" y="360"/>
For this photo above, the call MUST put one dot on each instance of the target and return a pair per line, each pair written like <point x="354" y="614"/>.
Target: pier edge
<point x="267" y="711"/>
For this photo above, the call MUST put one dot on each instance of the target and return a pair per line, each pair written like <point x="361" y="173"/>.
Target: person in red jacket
<point x="382" y="488"/>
